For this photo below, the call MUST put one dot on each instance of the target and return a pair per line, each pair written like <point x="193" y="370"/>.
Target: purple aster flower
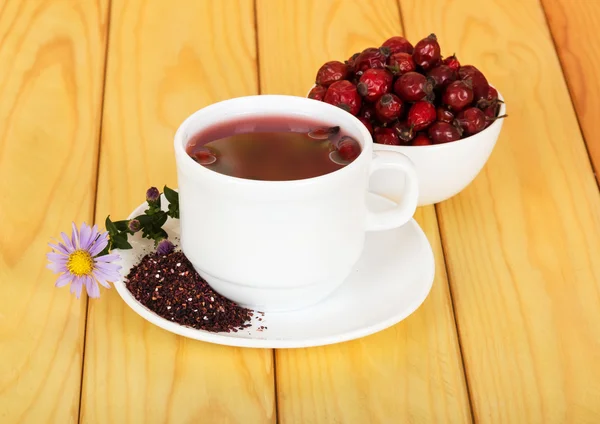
<point x="79" y="264"/>
<point x="134" y="225"/>
<point x="152" y="195"/>
<point x="164" y="247"/>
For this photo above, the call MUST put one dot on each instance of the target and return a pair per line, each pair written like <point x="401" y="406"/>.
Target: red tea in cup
<point x="273" y="148"/>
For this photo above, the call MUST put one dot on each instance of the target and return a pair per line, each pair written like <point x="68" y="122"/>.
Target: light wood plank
<point x="51" y="72"/>
<point x="574" y="25"/>
<point x="522" y="241"/>
<point x="411" y="372"/>
<point x="166" y="60"/>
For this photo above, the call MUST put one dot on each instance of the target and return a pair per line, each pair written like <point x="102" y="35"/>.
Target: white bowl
<point x="443" y="170"/>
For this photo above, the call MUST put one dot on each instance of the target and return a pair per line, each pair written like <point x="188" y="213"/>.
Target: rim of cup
<point x="182" y="136"/>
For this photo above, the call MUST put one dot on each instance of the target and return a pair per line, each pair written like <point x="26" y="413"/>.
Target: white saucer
<point x="390" y="281"/>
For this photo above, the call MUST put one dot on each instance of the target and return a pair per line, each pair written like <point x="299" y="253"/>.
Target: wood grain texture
<point x="411" y="372"/>
<point x="574" y="25"/>
<point x="522" y="241"/>
<point x="166" y="60"/>
<point x="52" y="62"/>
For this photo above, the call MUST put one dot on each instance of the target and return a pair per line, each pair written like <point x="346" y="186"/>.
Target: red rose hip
<point x="452" y="62"/>
<point x="491" y="112"/>
<point x="442" y="75"/>
<point x="386" y="136"/>
<point x="370" y="58"/>
<point x="444" y="115"/>
<point x="471" y="120"/>
<point x="374" y="83"/>
<point x="458" y="95"/>
<point x="317" y="92"/>
<point x="398" y="44"/>
<point x="388" y="108"/>
<point x="366" y="123"/>
<point x="351" y="62"/>
<point x="367" y="111"/>
<point x="401" y="63"/>
<point x="492" y="95"/>
<point x="427" y="52"/>
<point x="421" y="115"/>
<point x="413" y="86"/>
<point x="443" y="132"/>
<point x="491" y="98"/>
<point x="404" y="132"/>
<point x="478" y="81"/>
<point x="331" y="72"/>
<point x="348" y="148"/>
<point x="421" y="140"/>
<point x="343" y="94"/>
<point x="323" y="133"/>
<point x="204" y="156"/>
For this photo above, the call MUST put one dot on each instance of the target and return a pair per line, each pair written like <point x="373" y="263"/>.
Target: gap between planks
<point x="259" y="87"/>
<point x="96" y="180"/>
<point x="570" y="91"/>
<point x="448" y="278"/>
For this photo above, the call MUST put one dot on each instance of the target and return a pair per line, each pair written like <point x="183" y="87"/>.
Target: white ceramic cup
<point x="282" y="245"/>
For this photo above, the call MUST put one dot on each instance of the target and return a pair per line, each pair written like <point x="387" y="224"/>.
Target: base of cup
<point x="273" y="299"/>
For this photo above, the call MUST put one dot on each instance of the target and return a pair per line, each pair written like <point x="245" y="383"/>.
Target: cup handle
<point x="405" y="209"/>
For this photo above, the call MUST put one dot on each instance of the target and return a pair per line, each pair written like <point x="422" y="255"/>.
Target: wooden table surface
<point x="91" y="92"/>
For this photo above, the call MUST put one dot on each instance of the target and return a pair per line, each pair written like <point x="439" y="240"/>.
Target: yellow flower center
<point x="80" y="263"/>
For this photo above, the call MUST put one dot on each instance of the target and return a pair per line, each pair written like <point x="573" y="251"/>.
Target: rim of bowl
<point x="496" y="123"/>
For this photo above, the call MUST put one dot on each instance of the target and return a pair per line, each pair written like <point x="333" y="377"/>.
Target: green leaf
<point x="147" y="232"/>
<point x="173" y="198"/>
<point x="160" y="219"/>
<point x="171" y="195"/>
<point x="123" y="245"/>
<point x="122" y="225"/>
<point x="151" y="222"/>
<point x="120" y="242"/>
<point x="153" y="210"/>
<point x="156" y="205"/>
<point x="173" y="211"/>
<point x="144" y="219"/>
<point x="110" y="226"/>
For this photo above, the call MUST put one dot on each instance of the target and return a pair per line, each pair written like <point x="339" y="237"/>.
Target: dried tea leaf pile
<point x="170" y="286"/>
